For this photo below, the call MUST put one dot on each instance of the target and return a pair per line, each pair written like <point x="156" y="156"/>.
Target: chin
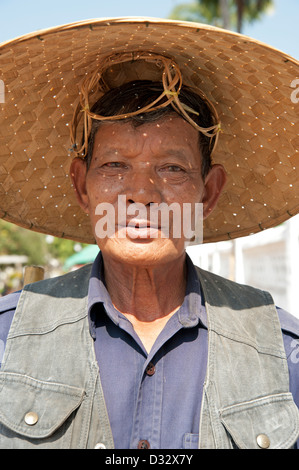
<point x="142" y="252"/>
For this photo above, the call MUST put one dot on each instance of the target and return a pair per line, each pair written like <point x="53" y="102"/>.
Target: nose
<point x="144" y="188"/>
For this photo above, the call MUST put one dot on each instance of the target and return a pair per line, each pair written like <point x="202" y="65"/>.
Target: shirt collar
<point x="191" y="312"/>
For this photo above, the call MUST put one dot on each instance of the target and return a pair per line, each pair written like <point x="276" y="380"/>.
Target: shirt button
<point x="143" y="444"/>
<point x="100" y="445"/>
<point x="150" y="369"/>
<point x="263" y="441"/>
<point x="31" y="418"/>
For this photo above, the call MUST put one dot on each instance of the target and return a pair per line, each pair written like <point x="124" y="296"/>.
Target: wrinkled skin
<point x="153" y="163"/>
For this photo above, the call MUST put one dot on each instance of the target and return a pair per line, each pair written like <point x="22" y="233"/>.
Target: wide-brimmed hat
<point x="250" y="84"/>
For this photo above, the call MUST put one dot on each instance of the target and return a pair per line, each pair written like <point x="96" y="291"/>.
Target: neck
<point x="148" y="296"/>
<point x="147" y="292"/>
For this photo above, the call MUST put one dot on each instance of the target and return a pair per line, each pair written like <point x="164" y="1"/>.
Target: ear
<point x="78" y="172"/>
<point x="214" y="184"/>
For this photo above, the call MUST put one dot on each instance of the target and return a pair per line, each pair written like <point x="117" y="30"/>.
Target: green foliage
<point x="254" y="9"/>
<point x="61" y="249"/>
<point x="16" y="240"/>
<point x="38" y="247"/>
<point x="202" y="12"/>
<point x="209" y="11"/>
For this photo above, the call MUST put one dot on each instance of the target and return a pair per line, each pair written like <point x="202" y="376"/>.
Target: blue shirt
<point x="156" y="396"/>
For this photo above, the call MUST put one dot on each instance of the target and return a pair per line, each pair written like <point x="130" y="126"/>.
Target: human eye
<point x="172" y="168"/>
<point x="113" y="168"/>
<point x="173" y="174"/>
<point x="114" y="165"/>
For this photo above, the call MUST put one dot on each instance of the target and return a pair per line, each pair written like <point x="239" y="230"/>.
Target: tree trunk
<point x="240" y="11"/>
<point x="224" y="8"/>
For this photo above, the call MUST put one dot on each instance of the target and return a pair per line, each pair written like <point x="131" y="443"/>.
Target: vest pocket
<point x="34" y="409"/>
<point x="268" y="422"/>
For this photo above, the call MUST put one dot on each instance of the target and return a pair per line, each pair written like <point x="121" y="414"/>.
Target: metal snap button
<point x="100" y="445"/>
<point x="31" y="418"/>
<point x="263" y="441"/>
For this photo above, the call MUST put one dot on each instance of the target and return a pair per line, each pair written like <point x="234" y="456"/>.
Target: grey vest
<point x="50" y="389"/>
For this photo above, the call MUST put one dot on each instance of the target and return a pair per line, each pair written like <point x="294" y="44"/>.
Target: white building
<point x="268" y="260"/>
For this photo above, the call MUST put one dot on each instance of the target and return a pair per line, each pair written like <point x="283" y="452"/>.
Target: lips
<point x="142" y="232"/>
<point x="140" y="229"/>
<point x="140" y="224"/>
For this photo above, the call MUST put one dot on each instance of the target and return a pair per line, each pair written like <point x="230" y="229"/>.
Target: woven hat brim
<point x="249" y="83"/>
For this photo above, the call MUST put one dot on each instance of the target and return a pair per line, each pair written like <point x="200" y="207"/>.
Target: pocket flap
<point x="272" y="420"/>
<point x="48" y="403"/>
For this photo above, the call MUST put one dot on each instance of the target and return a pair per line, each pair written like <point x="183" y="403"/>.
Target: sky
<point x="279" y="28"/>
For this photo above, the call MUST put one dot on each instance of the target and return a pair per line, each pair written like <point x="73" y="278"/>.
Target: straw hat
<point x="249" y="83"/>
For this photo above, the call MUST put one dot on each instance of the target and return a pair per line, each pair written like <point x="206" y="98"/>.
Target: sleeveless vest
<point x="50" y="388"/>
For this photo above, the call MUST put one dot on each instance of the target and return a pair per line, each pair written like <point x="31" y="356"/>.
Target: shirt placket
<point x="146" y="432"/>
<point x="147" y="423"/>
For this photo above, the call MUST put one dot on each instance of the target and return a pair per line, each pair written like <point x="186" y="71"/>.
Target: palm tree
<point x="251" y="10"/>
<point x="223" y="13"/>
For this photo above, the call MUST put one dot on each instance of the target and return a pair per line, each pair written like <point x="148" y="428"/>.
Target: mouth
<point x="141" y="224"/>
<point x="140" y="229"/>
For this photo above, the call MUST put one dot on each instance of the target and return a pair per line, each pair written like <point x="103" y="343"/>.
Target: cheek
<point x="100" y="189"/>
<point x="102" y="207"/>
<point x="191" y="192"/>
<point x="191" y="203"/>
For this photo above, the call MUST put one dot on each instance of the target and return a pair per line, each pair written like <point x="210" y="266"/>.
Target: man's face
<point x="153" y="164"/>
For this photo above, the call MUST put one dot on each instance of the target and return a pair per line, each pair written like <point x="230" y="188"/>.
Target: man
<point x="142" y="349"/>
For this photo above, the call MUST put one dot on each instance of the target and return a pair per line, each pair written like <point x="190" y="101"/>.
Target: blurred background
<point x="268" y="260"/>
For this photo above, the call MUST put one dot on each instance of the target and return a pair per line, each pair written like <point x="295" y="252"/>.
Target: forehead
<point x="165" y="135"/>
